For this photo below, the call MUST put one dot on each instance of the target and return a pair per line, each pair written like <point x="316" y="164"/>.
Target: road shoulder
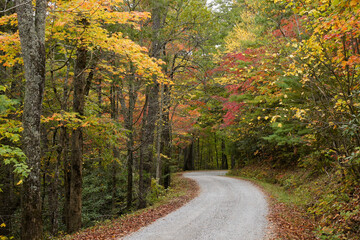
<point x="285" y="221"/>
<point x="183" y="191"/>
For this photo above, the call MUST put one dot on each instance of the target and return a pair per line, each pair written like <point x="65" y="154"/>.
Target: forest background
<point x="124" y="93"/>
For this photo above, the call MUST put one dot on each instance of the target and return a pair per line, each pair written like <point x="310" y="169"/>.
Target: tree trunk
<point x="166" y="137"/>
<point x="216" y="152"/>
<point x="142" y="202"/>
<point x="77" y="143"/>
<point x="152" y="92"/>
<point x="116" y="155"/>
<point x="232" y="161"/>
<point x="130" y="161"/>
<point x="130" y="142"/>
<point x="159" y="135"/>
<point x="146" y="149"/>
<point x="67" y="175"/>
<point x="127" y="111"/>
<point x="224" y="161"/>
<point x="189" y="158"/>
<point x="208" y="160"/>
<point x="201" y="146"/>
<point x="32" y="37"/>
<point x="114" y="97"/>
<point x="54" y="193"/>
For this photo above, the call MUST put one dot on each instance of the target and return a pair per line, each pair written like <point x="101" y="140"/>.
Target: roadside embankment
<point x="308" y="204"/>
<point x="182" y="191"/>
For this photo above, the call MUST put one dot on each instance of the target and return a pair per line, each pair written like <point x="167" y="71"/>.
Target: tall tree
<point x="146" y="154"/>
<point x="32" y="36"/>
<point x="77" y="142"/>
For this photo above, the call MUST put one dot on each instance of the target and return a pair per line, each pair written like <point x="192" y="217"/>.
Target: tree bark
<point x="130" y="144"/>
<point x="127" y="111"/>
<point x="224" y="161"/>
<point x="114" y="97"/>
<point x="166" y="136"/>
<point x="189" y="158"/>
<point x="142" y="201"/>
<point x="216" y="152"/>
<point x="146" y="149"/>
<point x="116" y="154"/>
<point x="53" y="197"/>
<point x="77" y="143"/>
<point x="67" y="175"/>
<point x="232" y="161"/>
<point x="159" y="135"/>
<point x="152" y="92"/>
<point x="201" y="146"/>
<point x="32" y="37"/>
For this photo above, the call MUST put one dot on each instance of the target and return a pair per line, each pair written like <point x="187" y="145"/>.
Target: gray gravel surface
<point x="226" y="208"/>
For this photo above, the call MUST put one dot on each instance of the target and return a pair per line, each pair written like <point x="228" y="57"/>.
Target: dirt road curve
<point x="225" y="209"/>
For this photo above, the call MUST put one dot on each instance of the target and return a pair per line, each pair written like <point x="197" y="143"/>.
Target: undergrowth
<point x="163" y="201"/>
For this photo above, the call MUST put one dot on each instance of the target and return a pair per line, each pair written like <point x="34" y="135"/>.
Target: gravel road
<point x="225" y="209"/>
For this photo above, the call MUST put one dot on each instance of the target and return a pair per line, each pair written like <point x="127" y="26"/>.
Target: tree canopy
<point x="134" y="90"/>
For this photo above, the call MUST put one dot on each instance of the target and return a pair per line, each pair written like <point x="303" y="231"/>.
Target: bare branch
<point x="14" y="7"/>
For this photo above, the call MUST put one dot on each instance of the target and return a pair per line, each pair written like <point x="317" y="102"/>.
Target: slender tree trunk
<point x="64" y="142"/>
<point x="216" y="152"/>
<point x="224" y="161"/>
<point x="99" y="96"/>
<point x="208" y="160"/>
<point x="198" y="154"/>
<point x="77" y="143"/>
<point x="50" y="178"/>
<point x="67" y="175"/>
<point x="130" y="161"/>
<point x="166" y="136"/>
<point x="159" y="135"/>
<point x="116" y="155"/>
<point x="142" y="202"/>
<point x="127" y="111"/>
<point x="189" y="157"/>
<point x="201" y="155"/>
<point x="232" y="161"/>
<point x="32" y="37"/>
<point x="114" y="97"/>
<point x="185" y="154"/>
<point x="54" y="193"/>
<point x="146" y="149"/>
<point x="130" y="142"/>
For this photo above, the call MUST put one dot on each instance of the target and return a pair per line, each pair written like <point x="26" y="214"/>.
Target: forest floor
<point x="182" y="191"/>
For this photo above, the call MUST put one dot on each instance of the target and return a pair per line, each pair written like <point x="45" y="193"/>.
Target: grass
<point x="287" y="202"/>
<point x="276" y="191"/>
<point x="297" y="194"/>
<point x="330" y="201"/>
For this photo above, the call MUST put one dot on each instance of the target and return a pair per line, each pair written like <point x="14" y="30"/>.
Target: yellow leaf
<point x="279" y="125"/>
<point x="20" y="182"/>
<point x="3" y="225"/>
